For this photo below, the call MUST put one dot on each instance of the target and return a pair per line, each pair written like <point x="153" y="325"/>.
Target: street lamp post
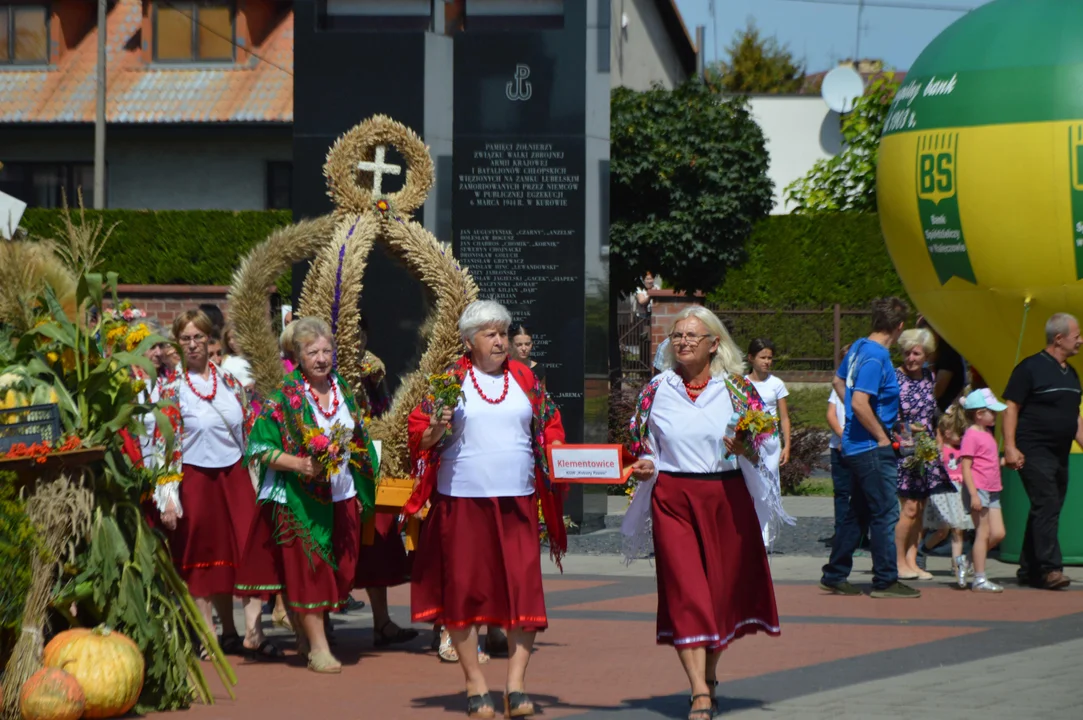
<point x="99" y="120"/>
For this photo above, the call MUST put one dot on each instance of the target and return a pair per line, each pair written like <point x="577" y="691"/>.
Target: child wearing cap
<point x="981" y="480"/>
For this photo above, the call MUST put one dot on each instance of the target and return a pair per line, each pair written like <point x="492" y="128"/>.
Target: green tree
<point x="848" y="180"/>
<point x="688" y="182"/>
<point x="757" y="65"/>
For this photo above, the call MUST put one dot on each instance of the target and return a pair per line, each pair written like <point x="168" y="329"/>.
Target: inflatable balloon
<point x="980" y="186"/>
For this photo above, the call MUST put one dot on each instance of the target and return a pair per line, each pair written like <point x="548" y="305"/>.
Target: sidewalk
<point x="799" y="507"/>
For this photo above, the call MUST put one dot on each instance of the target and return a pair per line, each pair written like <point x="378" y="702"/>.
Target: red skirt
<point x="219" y="505"/>
<point x="384" y="563"/>
<point x="310" y="584"/>
<point x="479" y="563"/>
<point x="714" y="583"/>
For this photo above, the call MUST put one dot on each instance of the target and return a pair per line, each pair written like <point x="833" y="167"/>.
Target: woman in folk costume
<point x="205" y="498"/>
<point x="700" y="496"/>
<point x="305" y="540"/>
<point x="483" y="465"/>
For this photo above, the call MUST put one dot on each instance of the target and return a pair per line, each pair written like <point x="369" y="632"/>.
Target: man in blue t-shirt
<point x="866" y="381"/>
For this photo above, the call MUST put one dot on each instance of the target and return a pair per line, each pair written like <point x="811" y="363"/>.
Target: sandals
<point x="324" y="663"/>
<point x="703" y="714"/>
<point x="518" y="704"/>
<point x="231" y="644"/>
<point x="401" y="635"/>
<point x="448" y="654"/>
<point x="480" y="706"/>
<point x="281" y="620"/>
<point x="266" y="651"/>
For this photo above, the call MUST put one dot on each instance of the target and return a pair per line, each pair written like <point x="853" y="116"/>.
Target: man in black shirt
<point x="1042" y="419"/>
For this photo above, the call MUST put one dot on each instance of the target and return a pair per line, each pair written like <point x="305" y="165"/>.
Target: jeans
<point x="842" y="482"/>
<point x="873" y="503"/>
<point x="1045" y="478"/>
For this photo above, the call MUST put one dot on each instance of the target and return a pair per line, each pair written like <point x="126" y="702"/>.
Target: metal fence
<point x="805" y="339"/>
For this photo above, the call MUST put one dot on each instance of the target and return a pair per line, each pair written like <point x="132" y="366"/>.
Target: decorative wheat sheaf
<point x="339" y="246"/>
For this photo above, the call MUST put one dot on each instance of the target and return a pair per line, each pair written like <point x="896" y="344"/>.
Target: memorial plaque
<point x="518" y="198"/>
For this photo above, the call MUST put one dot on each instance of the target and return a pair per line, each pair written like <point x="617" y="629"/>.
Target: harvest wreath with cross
<point x="338" y="246"/>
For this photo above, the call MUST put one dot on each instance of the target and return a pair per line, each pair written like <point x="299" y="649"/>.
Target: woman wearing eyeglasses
<point x="705" y="500"/>
<point x="206" y="499"/>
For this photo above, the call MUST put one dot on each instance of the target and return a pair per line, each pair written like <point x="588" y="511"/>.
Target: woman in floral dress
<point x="917" y="411"/>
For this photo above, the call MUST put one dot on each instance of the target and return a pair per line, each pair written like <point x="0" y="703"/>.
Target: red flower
<point x="319" y="443"/>
<point x="295" y="402"/>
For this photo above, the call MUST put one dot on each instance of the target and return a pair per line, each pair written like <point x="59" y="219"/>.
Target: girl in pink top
<point x="945" y="511"/>
<point x="981" y="480"/>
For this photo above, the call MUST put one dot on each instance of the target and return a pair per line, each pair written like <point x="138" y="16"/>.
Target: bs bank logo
<point x="520" y="88"/>
<point x="936" y="166"/>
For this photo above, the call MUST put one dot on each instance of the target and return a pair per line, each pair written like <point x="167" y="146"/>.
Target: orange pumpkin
<point x="107" y="665"/>
<point x="51" y="694"/>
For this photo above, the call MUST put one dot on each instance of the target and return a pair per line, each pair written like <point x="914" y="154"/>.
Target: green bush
<point x="188" y="247"/>
<point x="811" y="261"/>
<point x="17" y="542"/>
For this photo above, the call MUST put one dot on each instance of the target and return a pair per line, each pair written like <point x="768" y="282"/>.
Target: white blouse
<point x="489" y="453"/>
<point x="150" y="395"/>
<point x="686" y="436"/>
<point x="213" y="431"/>
<point x="342" y="487"/>
<point x="771" y="391"/>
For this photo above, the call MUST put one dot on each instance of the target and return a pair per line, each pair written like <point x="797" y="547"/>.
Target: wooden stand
<point x="391" y="495"/>
<point x="29" y="470"/>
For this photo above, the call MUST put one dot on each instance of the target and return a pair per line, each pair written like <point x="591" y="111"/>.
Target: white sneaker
<point x="960" y="567"/>
<point x="986" y="586"/>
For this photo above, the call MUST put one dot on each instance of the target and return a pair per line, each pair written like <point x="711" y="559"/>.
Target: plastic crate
<point x="30" y="424"/>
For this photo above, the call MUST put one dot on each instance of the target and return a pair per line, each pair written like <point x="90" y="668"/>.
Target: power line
<point x="228" y="39"/>
<point x="896" y="4"/>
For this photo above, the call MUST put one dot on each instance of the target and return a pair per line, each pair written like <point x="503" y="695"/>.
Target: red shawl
<point x="546" y="428"/>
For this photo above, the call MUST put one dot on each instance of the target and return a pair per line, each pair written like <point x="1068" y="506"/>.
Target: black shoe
<point x="353" y="605"/>
<point x="897" y="591"/>
<point x="842" y="588"/>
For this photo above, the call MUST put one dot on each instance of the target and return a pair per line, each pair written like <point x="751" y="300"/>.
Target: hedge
<point x="811" y="261"/>
<point x="188" y="247"/>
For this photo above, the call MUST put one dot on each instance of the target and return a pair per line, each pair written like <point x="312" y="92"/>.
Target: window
<point x="279" y="186"/>
<point x="200" y="31"/>
<point x="43" y="185"/>
<point x="24" y="33"/>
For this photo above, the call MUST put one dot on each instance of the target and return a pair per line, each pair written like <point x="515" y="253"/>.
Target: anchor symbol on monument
<point x="522" y="89"/>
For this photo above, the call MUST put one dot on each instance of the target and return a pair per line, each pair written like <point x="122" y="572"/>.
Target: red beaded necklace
<point x="482" y="394"/>
<point x="697" y="388"/>
<point x="329" y="414"/>
<point x="214" y="386"/>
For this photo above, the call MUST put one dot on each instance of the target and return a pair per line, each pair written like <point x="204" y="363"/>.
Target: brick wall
<point x="666" y="305"/>
<point x="165" y="302"/>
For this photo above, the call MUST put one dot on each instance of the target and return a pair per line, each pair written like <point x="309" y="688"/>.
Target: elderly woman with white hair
<point x="710" y="507"/>
<point x="482" y="465"/>
<point x="918" y="411"/>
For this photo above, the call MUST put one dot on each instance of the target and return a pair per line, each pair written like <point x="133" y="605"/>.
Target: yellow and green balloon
<point x="980" y="192"/>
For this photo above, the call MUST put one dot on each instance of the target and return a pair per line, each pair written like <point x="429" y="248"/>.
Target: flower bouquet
<point x="330" y="448"/>
<point x="755" y="426"/>
<point x="444" y="392"/>
<point x="922" y="453"/>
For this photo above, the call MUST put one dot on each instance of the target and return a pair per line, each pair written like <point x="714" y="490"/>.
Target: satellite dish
<point x="841" y="87"/>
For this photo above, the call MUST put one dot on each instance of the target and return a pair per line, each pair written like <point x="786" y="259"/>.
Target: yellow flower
<point x="68" y="359"/>
<point x="137" y="335"/>
<point x="139" y="386"/>
<point x="115" y="334"/>
<point x="52" y="356"/>
<point x="167" y="479"/>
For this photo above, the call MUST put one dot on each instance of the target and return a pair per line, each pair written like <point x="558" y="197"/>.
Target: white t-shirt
<point x="686" y="436"/>
<point x="213" y="431"/>
<point x="342" y="487"/>
<point x="771" y="391"/>
<point x="239" y="368"/>
<point x="840" y="413"/>
<point x="489" y="453"/>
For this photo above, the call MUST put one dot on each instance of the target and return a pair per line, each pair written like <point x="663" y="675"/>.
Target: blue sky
<point x="822" y="34"/>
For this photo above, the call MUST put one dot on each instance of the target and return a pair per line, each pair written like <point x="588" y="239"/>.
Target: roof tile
<point x="141" y="93"/>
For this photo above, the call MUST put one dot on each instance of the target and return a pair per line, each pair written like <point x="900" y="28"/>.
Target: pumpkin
<point x="107" y="665"/>
<point x="51" y="694"/>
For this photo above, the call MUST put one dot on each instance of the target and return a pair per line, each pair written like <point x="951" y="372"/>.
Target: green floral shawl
<point x="308" y="515"/>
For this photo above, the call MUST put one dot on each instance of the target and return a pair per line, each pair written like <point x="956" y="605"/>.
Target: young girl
<point x="761" y="356"/>
<point x="981" y="480"/>
<point x="945" y="511"/>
